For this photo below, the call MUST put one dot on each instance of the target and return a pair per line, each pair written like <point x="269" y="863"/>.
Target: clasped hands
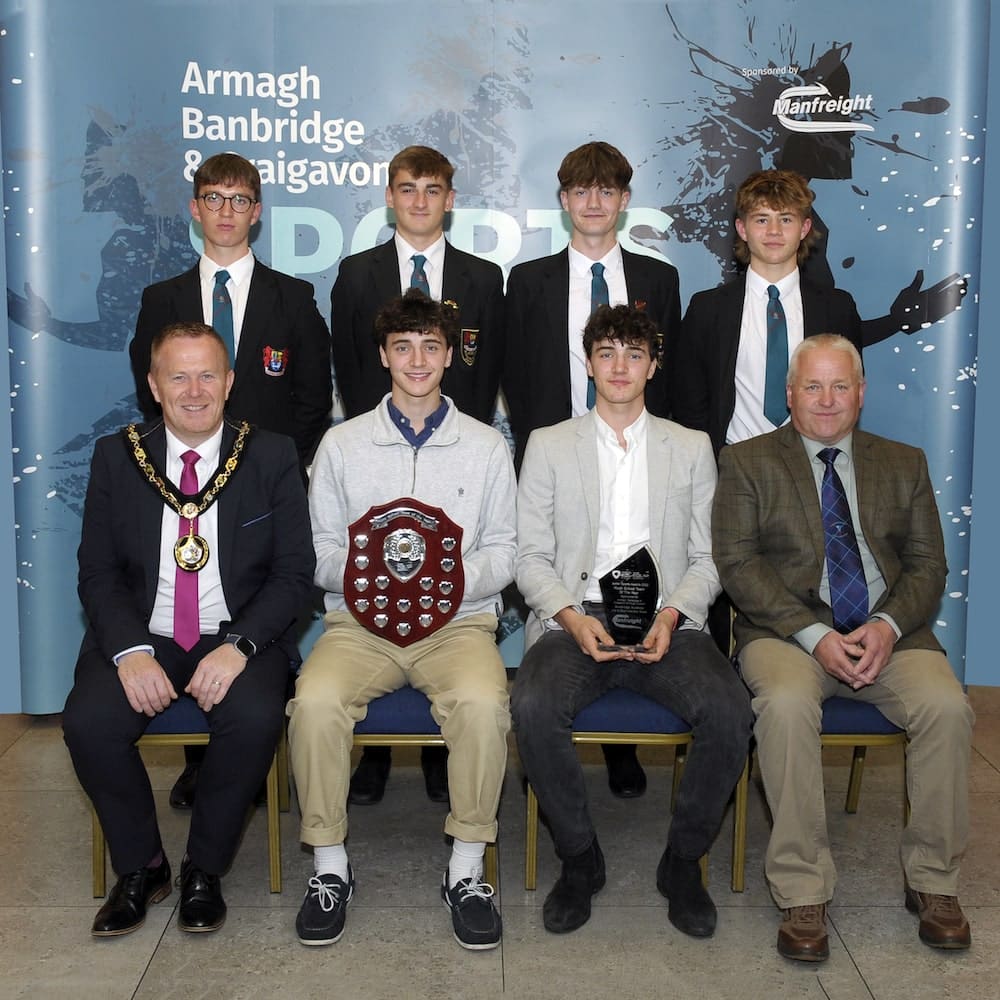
<point x="590" y="635"/>
<point x="858" y="657"/>
<point x="149" y="690"/>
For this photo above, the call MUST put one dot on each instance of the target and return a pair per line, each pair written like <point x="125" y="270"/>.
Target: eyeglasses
<point x="240" y="202"/>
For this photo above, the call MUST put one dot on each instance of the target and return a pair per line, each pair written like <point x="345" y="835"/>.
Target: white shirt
<point x="433" y="267"/>
<point x="212" y="607"/>
<point x="238" y="286"/>
<point x="580" y="277"/>
<point x="748" y="418"/>
<point x="623" y="525"/>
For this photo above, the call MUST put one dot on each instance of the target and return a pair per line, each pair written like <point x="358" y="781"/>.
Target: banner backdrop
<point x="108" y="107"/>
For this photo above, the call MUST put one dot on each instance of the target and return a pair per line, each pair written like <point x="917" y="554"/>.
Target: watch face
<point x="243" y="645"/>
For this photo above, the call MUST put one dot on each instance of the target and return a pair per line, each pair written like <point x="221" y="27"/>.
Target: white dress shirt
<point x="748" y="418"/>
<point x="238" y="286"/>
<point x="580" y="277"/>
<point x="433" y="267"/>
<point x="212" y="607"/>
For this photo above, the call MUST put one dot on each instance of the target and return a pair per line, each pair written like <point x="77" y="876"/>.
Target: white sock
<point x="331" y="860"/>
<point x="466" y="862"/>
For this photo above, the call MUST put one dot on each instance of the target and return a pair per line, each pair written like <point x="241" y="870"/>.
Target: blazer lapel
<point x="658" y="461"/>
<point x="228" y="502"/>
<point x="256" y="318"/>
<point x="797" y="462"/>
<point x="586" y="462"/>
<point x="150" y="509"/>
<point x="385" y="272"/>
<point x="187" y="296"/>
<point x="556" y="297"/>
<point x="455" y="280"/>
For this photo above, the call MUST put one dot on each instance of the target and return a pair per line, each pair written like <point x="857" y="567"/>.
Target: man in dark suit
<point x="549" y="301"/>
<point x="420" y="193"/>
<point x="721" y="366"/>
<point x="195" y="556"/>
<point x="829" y="543"/>
<point x="281" y="344"/>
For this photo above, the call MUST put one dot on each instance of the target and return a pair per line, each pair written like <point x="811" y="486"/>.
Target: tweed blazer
<point x="768" y="535"/>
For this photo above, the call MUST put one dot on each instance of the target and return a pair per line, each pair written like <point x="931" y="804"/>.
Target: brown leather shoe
<point x="942" y="922"/>
<point x="802" y="935"/>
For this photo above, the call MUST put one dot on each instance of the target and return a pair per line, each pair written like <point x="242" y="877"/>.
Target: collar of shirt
<point x="208" y="450"/>
<point x="431" y="424"/>
<point x="787" y="286"/>
<point x="634" y="434"/>
<point x="580" y="264"/>
<point x="240" y="270"/>
<point x="240" y="273"/>
<point x="433" y="267"/>
<point x="813" y="448"/>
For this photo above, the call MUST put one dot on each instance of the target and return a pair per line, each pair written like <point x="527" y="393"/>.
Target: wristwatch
<point x="244" y="646"/>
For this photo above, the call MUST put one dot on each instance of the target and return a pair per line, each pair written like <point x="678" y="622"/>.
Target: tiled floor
<point x="398" y="942"/>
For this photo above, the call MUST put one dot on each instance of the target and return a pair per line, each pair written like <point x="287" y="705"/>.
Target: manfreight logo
<point x="796" y="108"/>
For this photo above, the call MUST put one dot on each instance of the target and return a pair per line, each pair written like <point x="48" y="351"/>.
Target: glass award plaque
<point x="631" y="594"/>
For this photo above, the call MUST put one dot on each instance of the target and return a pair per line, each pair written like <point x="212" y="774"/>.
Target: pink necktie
<point x="187" y="624"/>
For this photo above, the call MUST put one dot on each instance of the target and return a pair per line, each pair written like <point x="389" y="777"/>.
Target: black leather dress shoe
<point x="369" y="778"/>
<point x="124" y="910"/>
<point x="434" y="762"/>
<point x="626" y="778"/>
<point x="185" y="787"/>
<point x="691" y="909"/>
<point x="202" y="906"/>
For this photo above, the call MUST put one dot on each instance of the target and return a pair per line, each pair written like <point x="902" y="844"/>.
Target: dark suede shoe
<point x="434" y="762"/>
<point x="369" y="778"/>
<point x="124" y="910"/>
<point x="567" y="906"/>
<point x="185" y="787"/>
<point x="942" y="922"/>
<point x="802" y="936"/>
<point x="691" y="909"/>
<point x="202" y="906"/>
<point x="626" y="778"/>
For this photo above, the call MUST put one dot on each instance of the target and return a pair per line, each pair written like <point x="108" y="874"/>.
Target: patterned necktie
<point x="419" y="277"/>
<point x="599" y="296"/>
<point x="222" y="315"/>
<point x="848" y="588"/>
<point x="775" y="405"/>
<point x="187" y="624"/>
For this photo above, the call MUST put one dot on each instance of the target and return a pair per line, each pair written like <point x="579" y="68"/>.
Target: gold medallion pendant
<point x="191" y="552"/>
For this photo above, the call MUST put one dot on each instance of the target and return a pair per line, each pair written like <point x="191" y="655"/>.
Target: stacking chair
<point x="184" y="724"/>
<point x="403" y="718"/>
<point x="850" y="723"/>
<point x="623" y="716"/>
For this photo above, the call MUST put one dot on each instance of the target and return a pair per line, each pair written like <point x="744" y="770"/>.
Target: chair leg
<point x="273" y="826"/>
<point x="854" y="783"/>
<point x="531" y="840"/>
<point x="284" y="787"/>
<point x="491" y="872"/>
<point x="100" y="856"/>
<point x="740" y="800"/>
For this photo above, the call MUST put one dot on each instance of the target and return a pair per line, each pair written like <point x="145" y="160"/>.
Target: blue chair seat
<point x="845" y="715"/>
<point x="405" y="711"/>
<point x="623" y="711"/>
